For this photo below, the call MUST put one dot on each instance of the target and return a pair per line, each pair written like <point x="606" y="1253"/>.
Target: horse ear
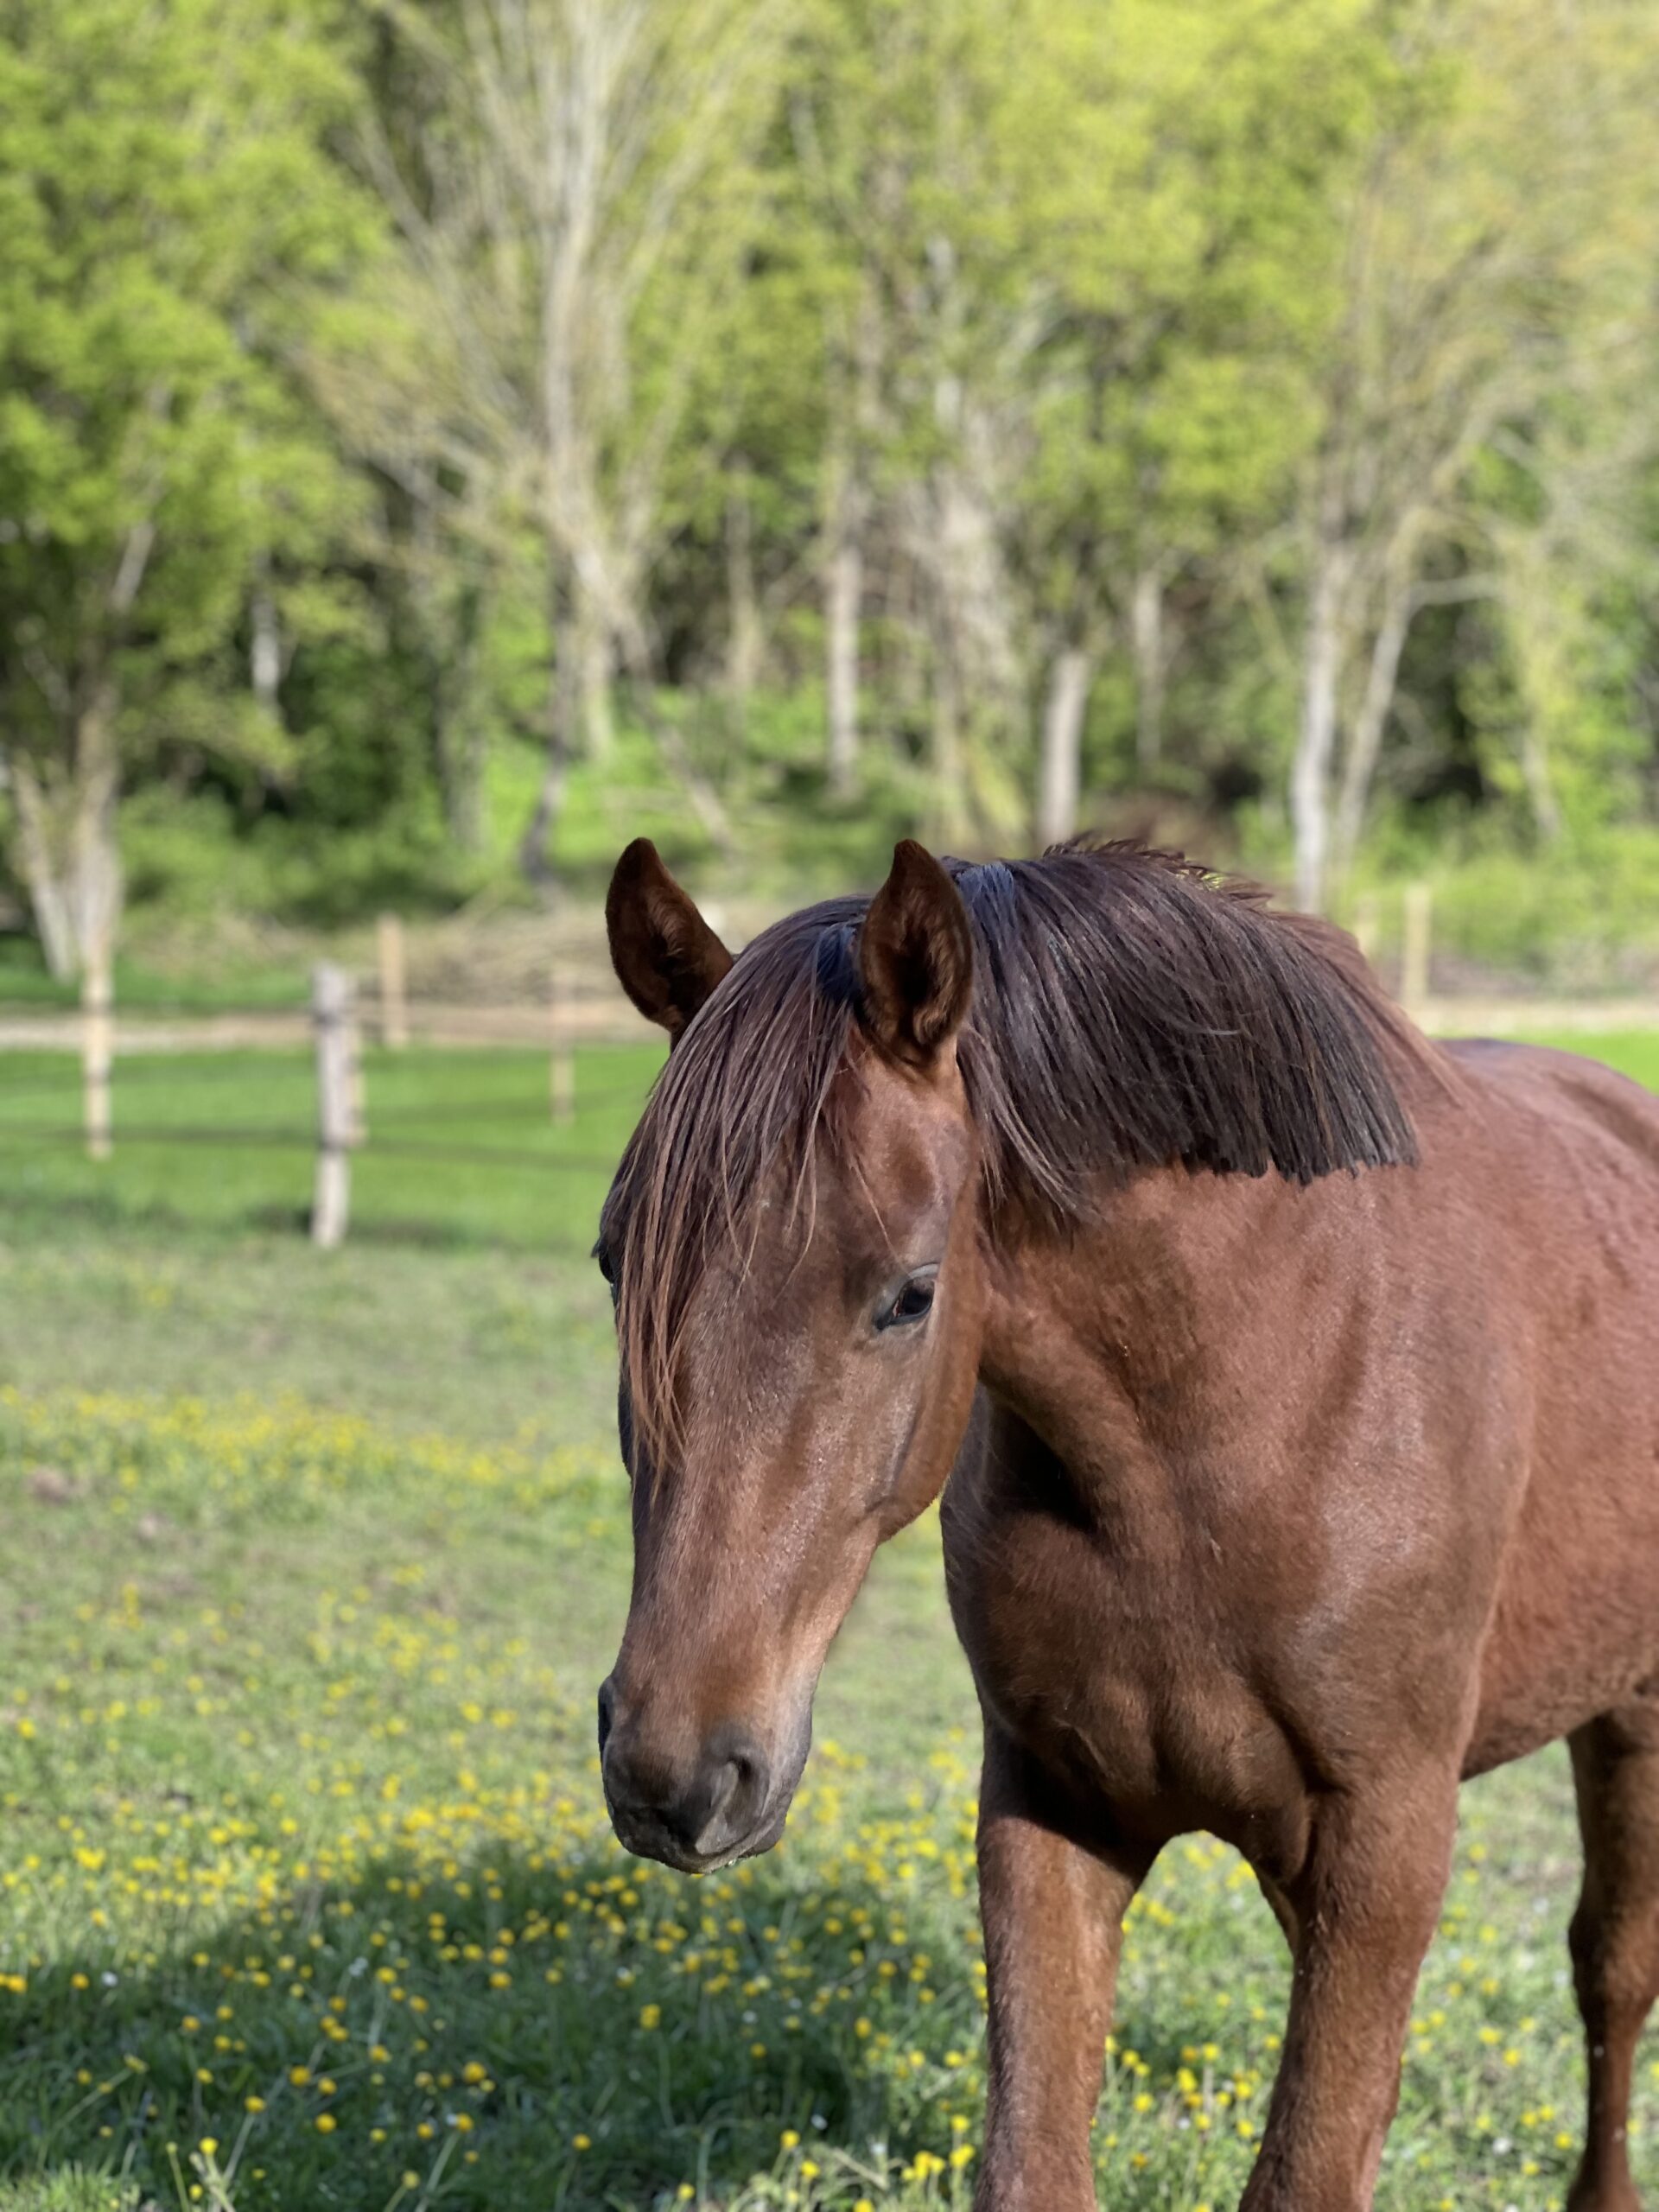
<point x="915" y="959"/>
<point x="666" y="957"/>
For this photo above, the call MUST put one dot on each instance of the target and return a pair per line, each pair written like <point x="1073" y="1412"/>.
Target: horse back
<point x="1567" y="1166"/>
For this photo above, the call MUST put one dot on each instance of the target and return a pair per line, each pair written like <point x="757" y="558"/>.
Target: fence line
<point x="14" y="1136"/>
<point x="335" y="1065"/>
<point x="334" y="1070"/>
<point x="163" y="1067"/>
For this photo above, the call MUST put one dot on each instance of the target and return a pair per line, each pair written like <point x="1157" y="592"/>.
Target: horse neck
<point x="1152" y="1289"/>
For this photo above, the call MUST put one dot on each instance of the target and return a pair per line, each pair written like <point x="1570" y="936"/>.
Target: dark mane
<point x="1130" y="1010"/>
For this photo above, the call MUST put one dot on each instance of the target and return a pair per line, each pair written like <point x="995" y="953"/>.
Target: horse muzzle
<point x="695" y="1807"/>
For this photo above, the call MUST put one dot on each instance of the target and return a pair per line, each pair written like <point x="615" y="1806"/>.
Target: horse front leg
<point x="1366" y="1905"/>
<point x="1053" y="1907"/>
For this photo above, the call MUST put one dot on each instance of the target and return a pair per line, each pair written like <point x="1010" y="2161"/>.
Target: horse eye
<point x="605" y="1267"/>
<point x="913" y="1303"/>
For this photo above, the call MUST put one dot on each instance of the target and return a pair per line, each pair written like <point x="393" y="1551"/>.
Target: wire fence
<point x="162" y="1049"/>
<point x="205" y="1052"/>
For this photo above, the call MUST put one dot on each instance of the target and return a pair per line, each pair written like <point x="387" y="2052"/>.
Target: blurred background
<point x="440" y="441"/>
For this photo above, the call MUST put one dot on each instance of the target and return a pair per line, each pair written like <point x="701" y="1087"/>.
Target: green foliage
<point x="167" y="206"/>
<point x="359" y="423"/>
<point x="1591" y="925"/>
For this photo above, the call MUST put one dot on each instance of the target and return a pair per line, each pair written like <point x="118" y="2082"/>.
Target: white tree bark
<point x="1147" y="645"/>
<point x="564" y="731"/>
<point x="1310" y="782"/>
<point x="745" y="638"/>
<point x="597" y="675"/>
<point x="1060" y="776"/>
<point x="66" y="806"/>
<point x="1365" y="741"/>
<point x="265" y="651"/>
<point x="844" y="601"/>
<point x="568" y="207"/>
<point x="42" y="860"/>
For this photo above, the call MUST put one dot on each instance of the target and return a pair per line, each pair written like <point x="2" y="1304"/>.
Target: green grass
<point x="1633" y="1051"/>
<point x="461" y="1148"/>
<point x="313" y="1564"/>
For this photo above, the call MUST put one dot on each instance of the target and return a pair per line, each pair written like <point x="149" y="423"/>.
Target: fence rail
<point x="141" y="1042"/>
<point x="326" y="1040"/>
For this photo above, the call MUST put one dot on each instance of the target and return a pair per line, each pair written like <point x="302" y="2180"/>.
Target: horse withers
<point x="1297" y="1386"/>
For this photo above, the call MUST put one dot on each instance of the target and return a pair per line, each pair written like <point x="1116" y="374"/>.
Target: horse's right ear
<point x="915" y="959"/>
<point x="666" y="957"/>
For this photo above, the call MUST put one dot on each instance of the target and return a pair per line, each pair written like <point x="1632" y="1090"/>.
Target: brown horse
<point x="1281" y="1497"/>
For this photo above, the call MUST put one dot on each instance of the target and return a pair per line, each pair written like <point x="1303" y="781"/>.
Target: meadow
<point x="307" y="1896"/>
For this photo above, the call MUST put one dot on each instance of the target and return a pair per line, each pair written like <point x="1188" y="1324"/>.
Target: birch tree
<point x="575" y="205"/>
<point x="1171" y="238"/>
<point x="1488" y="245"/>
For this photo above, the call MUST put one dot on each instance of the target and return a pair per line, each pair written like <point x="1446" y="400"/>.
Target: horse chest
<point x="1118" y="1680"/>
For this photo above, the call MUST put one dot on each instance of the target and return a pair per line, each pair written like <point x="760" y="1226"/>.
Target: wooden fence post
<point x="97" y="1049"/>
<point x="561" y="1074"/>
<point x="1415" y="946"/>
<point x="394" y="992"/>
<point x="335" y="1027"/>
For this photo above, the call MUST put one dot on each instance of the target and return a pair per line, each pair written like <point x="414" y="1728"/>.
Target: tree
<point x="575" y="204"/>
<point x="164" y="205"/>
<point x="1173" y="250"/>
<point x="1498" y="230"/>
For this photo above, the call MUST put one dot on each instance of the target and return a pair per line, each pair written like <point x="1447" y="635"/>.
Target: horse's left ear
<point x="915" y="959"/>
<point x="666" y="957"/>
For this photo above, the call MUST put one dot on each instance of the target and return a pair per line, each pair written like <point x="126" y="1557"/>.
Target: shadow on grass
<point x="529" y="2032"/>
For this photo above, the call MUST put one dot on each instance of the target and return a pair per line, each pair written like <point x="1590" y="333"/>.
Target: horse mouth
<point x="642" y="1833"/>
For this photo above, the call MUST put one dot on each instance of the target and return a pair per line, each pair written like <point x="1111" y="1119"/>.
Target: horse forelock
<point x="1129" y="1010"/>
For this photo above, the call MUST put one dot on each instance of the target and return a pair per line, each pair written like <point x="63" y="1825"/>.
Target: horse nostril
<point x="727" y="1786"/>
<point x="607" y="1713"/>
<point x="736" y="1794"/>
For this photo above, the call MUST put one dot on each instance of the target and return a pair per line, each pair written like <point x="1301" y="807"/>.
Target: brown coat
<point x="1281" y="1497"/>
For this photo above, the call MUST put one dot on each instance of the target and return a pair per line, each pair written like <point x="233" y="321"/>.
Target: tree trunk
<point x="460" y="773"/>
<point x="1147" y="645"/>
<point x="844" y="599"/>
<point x="564" y="712"/>
<point x="67" y="843"/>
<point x="598" y="672"/>
<point x="43" y="867"/>
<point x="1534" y="768"/>
<point x="265" y="651"/>
<point x="1366" y="742"/>
<point x="95" y="856"/>
<point x="458" y="739"/>
<point x="1310" y="782"/>
<point x="949" y="807"/>
<point x="743" y="636"/>
<point x="1063" y="715"/>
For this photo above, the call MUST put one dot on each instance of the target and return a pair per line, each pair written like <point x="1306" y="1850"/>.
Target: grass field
<point x="307" y="1898"/>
